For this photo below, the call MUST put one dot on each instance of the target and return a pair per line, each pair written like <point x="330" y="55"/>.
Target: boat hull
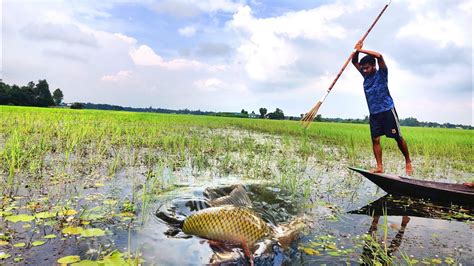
<point x="435" y="191"/>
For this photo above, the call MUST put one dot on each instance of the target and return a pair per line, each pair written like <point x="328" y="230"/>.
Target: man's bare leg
<point x="378" y="155"/>
<point x="402" y="145"/>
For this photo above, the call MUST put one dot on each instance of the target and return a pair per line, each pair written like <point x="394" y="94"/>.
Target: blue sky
<point x="226" y="55"/>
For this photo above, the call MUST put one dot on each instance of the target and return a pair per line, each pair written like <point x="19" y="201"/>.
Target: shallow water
<point x="333" y="236"/>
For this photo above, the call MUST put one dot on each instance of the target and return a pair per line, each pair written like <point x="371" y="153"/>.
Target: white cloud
<point x="188" y="31"/>
<point x="218" y="68"/>
<point x="145" y="56"/>
<point x="55" y="15"/>
<point x="121" y="75"/>
<point x="217" y="5"/>
<point x="267" y="45"/>
<point x="433" y="27"/>
<point x="216" y="85"/>
<point x="191" y="8"/>
<point x="125" y="38"/>
<point x="67" y="33"/>
<point x="211" y="84"/>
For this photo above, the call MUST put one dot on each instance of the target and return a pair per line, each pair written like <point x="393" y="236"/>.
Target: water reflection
<point x="405" y="206"/>
<point x="381" y="251"/>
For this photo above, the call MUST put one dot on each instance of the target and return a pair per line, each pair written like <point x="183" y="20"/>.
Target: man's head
<point x="367" y="65"/>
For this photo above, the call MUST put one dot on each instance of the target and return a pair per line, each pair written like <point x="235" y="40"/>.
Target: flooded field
<point x="85" y="187"/>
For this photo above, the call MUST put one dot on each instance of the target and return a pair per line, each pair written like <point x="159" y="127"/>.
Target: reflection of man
<point x="370" y="255"/>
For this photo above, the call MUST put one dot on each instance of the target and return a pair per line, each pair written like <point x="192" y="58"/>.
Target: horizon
<point x="234" y="112"/>
<point x="233" y="55"/>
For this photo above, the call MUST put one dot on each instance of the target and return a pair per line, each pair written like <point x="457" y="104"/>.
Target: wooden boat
<point x="435" y="191"/>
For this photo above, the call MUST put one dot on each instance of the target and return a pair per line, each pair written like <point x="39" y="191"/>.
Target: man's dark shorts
<point x="385" y="123"/>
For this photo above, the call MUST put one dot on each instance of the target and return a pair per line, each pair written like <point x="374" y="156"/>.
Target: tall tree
<point x="263" y="112"/>
<point x="4" y="93"/>
<point x="58" y="96"/>
<point x="42" y="94"/>
<point x="278" y="114"/>
<point x="31" y="85"/>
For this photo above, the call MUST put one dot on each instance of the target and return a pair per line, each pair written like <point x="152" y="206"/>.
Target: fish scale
<point x="228" y="224"/>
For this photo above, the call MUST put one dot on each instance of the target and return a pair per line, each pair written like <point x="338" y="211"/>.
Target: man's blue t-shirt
<point x="376" y="92"/>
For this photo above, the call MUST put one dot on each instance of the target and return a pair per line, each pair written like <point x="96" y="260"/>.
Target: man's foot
<point x="469" y="184"/>
<point x="405" y="221"/>
<point x="409" y="169"/>
<point x="378" y="170"/>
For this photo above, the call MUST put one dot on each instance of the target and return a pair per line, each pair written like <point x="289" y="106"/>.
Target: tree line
<point x="30" y="95"/>
<point x="278" y="114"/>
<point x="409" y="122"/>
<point x="38" y="94"/>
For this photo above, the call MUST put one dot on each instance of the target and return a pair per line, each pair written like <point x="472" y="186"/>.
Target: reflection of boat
<point x="436" y="191"/>
<point x="404" y="206"/>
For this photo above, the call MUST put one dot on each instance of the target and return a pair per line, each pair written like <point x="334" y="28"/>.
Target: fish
<point x="227" y="223"/>
<point x="229" y="218"/>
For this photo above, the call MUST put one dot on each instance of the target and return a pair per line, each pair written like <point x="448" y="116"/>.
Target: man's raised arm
<point x="377" y="55"/>
<point x="355" y="56"/>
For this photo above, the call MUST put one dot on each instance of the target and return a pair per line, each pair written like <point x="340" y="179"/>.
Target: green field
<point x="51" y="160"/>
<point x="29" y="136"/>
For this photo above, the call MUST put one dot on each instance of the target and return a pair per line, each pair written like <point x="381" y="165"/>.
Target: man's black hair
<point x="368" y="59"/>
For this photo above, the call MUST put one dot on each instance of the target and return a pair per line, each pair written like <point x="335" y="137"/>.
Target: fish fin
<point x="217" y="245"/>
<point x="246" y="250"/>
<point x="238" y="197"/>
<point x="287" y="233"/>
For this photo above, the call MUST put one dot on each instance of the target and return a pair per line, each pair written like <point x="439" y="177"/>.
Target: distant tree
<point x="117" y="108"/>
<point x="244" y="113"/>
<point x="263" y="112"/>
<point x="42" y="94"/>
<point x="31" y="85"/>
<point x="410" y="121"/>
<point x="278" y="114"/>
<point x="77" y="106"/>
<point x="4" y="93"/>
<point x="58" y="96"/>
<point x="319" y="118"/>
<point x="366" y="119"/>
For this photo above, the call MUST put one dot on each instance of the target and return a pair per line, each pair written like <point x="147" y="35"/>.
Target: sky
<point x="225" y="55"/>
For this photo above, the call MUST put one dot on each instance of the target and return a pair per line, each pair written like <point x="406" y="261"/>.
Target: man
<point x="383" y="117"/>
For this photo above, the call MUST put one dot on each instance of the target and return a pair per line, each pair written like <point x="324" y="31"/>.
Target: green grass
<point x="44" y="146"/>
<point x="29" y="134"/>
